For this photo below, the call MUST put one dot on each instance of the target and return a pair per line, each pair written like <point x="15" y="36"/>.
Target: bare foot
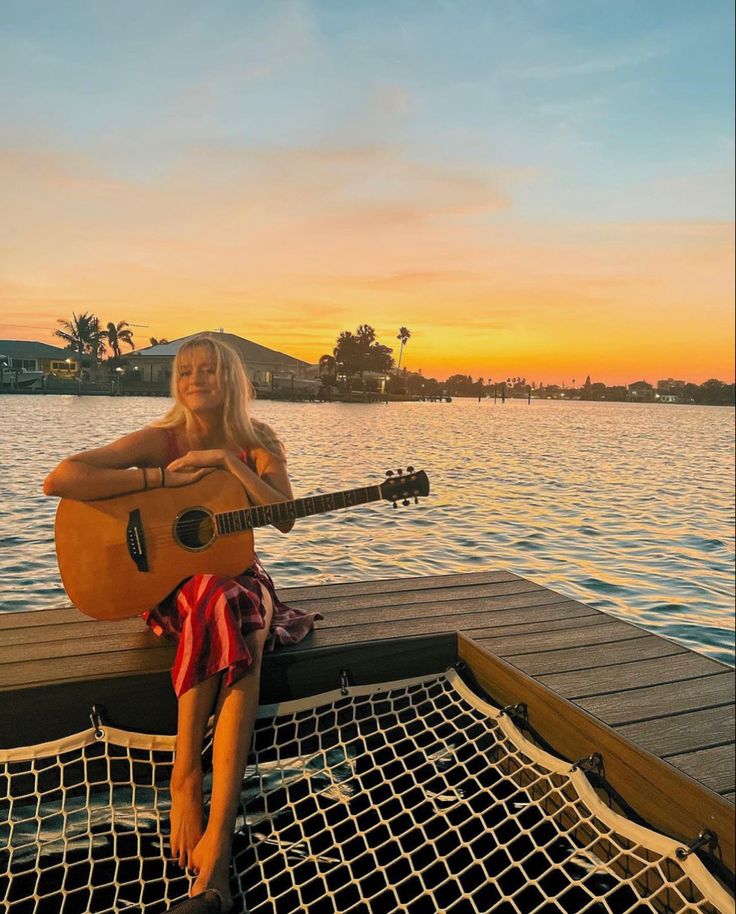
<point x="187" y="815"/>
<point x="211" y="861"/>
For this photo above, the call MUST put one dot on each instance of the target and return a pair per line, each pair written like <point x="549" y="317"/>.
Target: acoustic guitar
<point x="121" y="556"/>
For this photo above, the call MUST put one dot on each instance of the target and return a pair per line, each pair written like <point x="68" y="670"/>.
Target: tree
<point x="403" y="338"/>
<point x="81" y="333"/>
<point x="365" y="335"/>
<point x="359" y="352"/>
<point x="715" y="392"/>
<point x="347" y="354"/>
<point x="115" y="334"/>
<point x="154" y="342"/>
<point x="328" y="369"/>
<point x="379" y="358"/>
<point x="460" y="385"/>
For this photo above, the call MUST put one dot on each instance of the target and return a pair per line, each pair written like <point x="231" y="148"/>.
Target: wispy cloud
<point x="575" y="66"/>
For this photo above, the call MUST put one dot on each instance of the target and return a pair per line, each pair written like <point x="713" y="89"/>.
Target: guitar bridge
<point x="136" y="540"/>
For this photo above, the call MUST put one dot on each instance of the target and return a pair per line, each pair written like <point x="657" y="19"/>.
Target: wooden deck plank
<point x="390" y="597"/>
<point x="596" y="656"/>
<point x="581" y="684"/>
<point x="140" y="640"/>
<point x="713" y="767"/>
<point x="36" y="617"/>
<point x="681" y="733"/>
<point x="496" y="597"/>
<point x="425" y="582"/>
<point x="322" y="592"/>
<point x="518" y="609"/>
<point x="76" y="631"/>
<point x="85" y="666"/>
<point x="89" y="637"/>
<point x="528" y="622"/>
<point x="490" y="604"/>
<point x="599" y="631"/>
<point x="542" y="619"/>
<point x="658" y="701"/>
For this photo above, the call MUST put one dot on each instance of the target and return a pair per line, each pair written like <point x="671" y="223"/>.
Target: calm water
<point x="627" y="507"/>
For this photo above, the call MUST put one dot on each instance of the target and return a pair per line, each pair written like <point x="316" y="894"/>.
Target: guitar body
<point x="121" y="556"/>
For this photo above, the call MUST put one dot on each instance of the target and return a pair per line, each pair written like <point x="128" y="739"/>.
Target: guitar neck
<point x="285" y="511"/>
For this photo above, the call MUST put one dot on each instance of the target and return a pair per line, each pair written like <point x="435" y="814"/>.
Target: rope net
<point x="414" y="796"/>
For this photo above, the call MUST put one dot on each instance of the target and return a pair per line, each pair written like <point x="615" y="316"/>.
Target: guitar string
<point x="161" y="532"/>
<point x="194" y="523"/>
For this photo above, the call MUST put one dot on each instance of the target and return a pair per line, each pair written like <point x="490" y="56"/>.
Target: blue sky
<point x="592" y="107"/>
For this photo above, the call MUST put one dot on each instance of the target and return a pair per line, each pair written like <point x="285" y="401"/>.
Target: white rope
<point x="405" y="796"/>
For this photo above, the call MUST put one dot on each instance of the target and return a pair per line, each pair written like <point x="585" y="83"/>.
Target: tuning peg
<point x="405" y="502"/>
<point x="393" y="503"/>
<point x="399" y="471"/>
<point x="389" y="472"/>
<point x="416" y="500"/>
<point x="410" y="469"/>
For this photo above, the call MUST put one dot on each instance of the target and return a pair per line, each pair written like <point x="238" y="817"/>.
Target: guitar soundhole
<point x="194" y="529"/>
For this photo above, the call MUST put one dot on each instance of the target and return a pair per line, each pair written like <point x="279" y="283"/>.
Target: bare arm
<point x="268" y="485"/>
<point x="123" y="466"/>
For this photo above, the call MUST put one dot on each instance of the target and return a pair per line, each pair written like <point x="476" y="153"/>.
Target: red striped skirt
<point x="210" y="617"/>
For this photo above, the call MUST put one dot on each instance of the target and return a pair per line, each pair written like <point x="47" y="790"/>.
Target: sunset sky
<point x="533" y="187"/>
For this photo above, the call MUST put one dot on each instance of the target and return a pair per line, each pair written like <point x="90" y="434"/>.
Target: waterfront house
<point x="641" y="391"/>
<point x="25" y="358"/>
<point x="669" y="385"/>
<point x="153" y="364"/>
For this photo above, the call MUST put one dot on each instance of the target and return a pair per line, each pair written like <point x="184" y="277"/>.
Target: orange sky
<point x="294" y="257"/>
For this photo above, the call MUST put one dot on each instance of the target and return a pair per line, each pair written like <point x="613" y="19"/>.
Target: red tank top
<point x="172" y="450"/>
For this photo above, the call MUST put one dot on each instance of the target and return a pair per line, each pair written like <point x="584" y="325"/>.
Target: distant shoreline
<point x="358" y="398"/>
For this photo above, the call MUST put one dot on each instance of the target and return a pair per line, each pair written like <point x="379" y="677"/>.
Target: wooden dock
<point x="657" y="695"/>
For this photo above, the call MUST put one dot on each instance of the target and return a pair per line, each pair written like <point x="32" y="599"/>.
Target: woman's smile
<point x="198" y="382"/>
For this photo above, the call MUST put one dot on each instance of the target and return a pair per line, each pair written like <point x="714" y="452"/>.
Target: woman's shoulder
<point x="268" y="441"/>
<point x="261" y="459"/>
<point x="165" y="441"/>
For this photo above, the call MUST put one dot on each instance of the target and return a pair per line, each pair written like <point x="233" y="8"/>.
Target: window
<point x="24" y="364"/>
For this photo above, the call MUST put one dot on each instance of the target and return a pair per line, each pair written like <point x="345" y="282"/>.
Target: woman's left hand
<point x="195" y="460"/>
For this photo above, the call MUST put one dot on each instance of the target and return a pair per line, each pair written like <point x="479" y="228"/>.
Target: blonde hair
<point x="238" y="392"/>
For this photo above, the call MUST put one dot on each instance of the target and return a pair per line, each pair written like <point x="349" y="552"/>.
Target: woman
<point x="221" y="624"/>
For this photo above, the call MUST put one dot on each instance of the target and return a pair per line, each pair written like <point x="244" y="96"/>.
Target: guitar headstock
<point x="401" y="486"/>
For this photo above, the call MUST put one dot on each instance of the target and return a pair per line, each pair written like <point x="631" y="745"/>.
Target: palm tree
<point x="115" y="334"/>
<point x="154" y="342"/>
<point x="403" y="338"/>
<point x="328" y="368"/>
<point x="366" y="336"/>
<point x="81" y="333"/>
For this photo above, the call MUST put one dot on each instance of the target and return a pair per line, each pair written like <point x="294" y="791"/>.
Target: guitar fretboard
<point x="284" y="511"/>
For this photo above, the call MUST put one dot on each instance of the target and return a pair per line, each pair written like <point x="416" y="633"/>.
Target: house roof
<point x="640" y="385"/>
<point x="250" y="351"/>
<point x="30" y="349"/>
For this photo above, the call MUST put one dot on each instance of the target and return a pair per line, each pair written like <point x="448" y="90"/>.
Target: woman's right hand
<point x="174" y="479"/>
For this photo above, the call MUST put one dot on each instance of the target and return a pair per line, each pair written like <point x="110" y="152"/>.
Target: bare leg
<point x="234" y="719"/>
<point x="187" y="806"/>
